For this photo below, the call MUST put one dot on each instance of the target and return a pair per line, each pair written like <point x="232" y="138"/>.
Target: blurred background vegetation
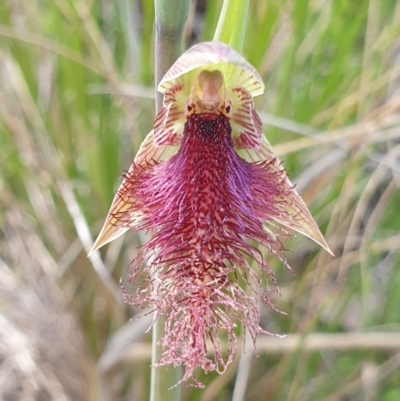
<point x="76" y="100"/>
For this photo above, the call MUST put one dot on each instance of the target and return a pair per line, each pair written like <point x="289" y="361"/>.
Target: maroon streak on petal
<point x="168" y="124"/>
<point x="246" y="124"/>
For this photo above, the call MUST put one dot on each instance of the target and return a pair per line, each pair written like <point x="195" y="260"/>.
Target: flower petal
<point x="112" y="228"/>
<point x="246" y="125"/>
<point x="213" y="56"/>
<point x="168" y="124"/>
<point x="297" y="216"/>
<point x="148" y="151"/>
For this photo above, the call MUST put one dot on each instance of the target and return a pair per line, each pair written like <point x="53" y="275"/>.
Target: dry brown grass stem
<point x="340" y="342"/>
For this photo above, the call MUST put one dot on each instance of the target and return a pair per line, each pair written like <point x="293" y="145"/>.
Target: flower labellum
<point x="206" y="183"/>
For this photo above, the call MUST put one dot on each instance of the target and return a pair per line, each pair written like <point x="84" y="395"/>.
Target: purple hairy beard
<point x="203" y="207"/>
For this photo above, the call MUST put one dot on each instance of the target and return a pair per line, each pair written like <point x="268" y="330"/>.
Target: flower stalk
<point x="170" y="19"/>
<point x="169" y="24"/>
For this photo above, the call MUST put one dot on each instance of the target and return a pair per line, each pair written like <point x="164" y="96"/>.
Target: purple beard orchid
<point x="205" y="183"/>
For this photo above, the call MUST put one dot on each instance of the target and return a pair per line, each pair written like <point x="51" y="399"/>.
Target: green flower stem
<point x="162" y="379"/>
<point x="232" y="23"/>
<point x="170" y="19"/>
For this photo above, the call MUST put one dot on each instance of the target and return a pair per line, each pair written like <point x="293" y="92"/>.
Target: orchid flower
<point x="207" y="185"/>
